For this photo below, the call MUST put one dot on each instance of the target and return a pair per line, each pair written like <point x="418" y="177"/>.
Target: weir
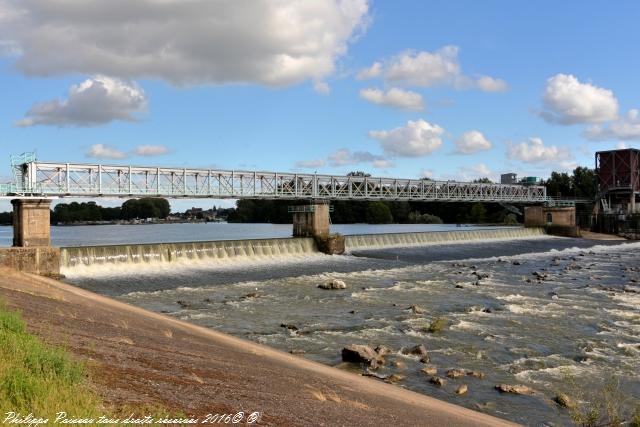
<point x="373" y="241"/>
<point x="211" y="252"/>
<point x="216" y="252"/>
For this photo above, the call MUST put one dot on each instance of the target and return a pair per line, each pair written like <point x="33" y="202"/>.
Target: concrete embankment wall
<point x="39" y="260"/>
<point x="373" y="241"/>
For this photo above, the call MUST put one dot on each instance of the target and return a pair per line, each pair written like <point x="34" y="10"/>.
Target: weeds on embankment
<point x="39" y="379"/>
<point x="42" y="380"/>
<point x="605" y="406"/>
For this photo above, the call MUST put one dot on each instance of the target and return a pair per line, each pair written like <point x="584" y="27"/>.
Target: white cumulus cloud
<point x="368" y="73"/>
<point x="344" y="157"/>
<point x="477" y="171"/>
<point x="471" y="142"/>
<point x="102" y="151"/>
<point x="416" y="138"/>
<point x="491" y="84"/>
<point x="96" y="101"/>
<point x="394" y="97"/>
<point x="322" y="88"/>
<point x="150" y="150"/>
<point x="568" y="101"/>
<point x="626" y="128"/>
<point x="534" y="151"/>
<point x="429" y="69"/>
<point x="269" y="42"/>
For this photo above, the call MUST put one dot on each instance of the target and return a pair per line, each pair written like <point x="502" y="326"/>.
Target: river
<point x="572" y="327"/>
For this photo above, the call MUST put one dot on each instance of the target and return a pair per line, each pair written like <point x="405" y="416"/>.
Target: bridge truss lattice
<point x="95" y="180"/>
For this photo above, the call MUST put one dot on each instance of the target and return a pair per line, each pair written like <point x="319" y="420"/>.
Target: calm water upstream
<point x="580" y="322"/>
<point x="83" y="235"/>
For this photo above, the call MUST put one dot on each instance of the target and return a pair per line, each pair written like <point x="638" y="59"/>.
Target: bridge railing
<point x="92" y="180"/>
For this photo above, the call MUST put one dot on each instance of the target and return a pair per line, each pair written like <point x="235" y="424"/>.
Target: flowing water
<point x="573" y="327"/>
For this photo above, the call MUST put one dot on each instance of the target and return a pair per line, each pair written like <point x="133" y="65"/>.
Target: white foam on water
<point x="391" y="240"/>
<point x="465" y="325"/>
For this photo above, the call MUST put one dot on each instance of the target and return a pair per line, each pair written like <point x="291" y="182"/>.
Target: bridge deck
<point x="94" y="180"/>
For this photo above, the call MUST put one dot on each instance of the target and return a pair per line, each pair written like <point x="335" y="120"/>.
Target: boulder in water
<point x="438" y="381"/>
<point x="475" y="374"/>
<point x="456" y="373"/>
<point x="462" y="389"/>
<point x="416" y="309"/>
<point x="357" y="353"/>
<point x="564" y="400"/>
<point x="514" y="389"/>
<point x="383" y="350"/>
<point x="438" y="324"/>
<point x="481" y="276"/>
<point x="333" y="284"/>
<point x="418" y="350"/>
<point x="289" y="326"/>
<point x="430" y="370"/>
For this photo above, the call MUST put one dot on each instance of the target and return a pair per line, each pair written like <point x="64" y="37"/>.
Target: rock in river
<point x="462" y="389"/>
<point x="564" y="400"/>
<point x="437" y="381"/>
<point x="358" y="353"/>
<point x="515" y="389"/>
<point x="430" y="370"/>
<point x="383" y="350"/>
<point x="333" y="284"/>
<point x="419" y="350"/>
<point x="456" y="373"/>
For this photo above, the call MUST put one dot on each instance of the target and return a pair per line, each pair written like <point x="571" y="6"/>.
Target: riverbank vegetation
<point x="38" y="379"/>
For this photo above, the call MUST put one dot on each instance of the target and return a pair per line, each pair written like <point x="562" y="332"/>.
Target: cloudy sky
<point x="444" y="89"/>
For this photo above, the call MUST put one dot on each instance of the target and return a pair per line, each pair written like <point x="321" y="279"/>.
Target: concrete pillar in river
<point x="31" y="226"/>
<point x="311" y="220"/>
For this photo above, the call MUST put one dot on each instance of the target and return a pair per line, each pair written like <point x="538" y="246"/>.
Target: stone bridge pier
<point x="313" y="221"/>
<point x="32" y="251"/>
<point x="310" y="220"/>
<point x="31" y="222"/>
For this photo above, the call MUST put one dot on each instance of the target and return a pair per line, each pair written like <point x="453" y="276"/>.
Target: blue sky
<point x="462" y="89"/>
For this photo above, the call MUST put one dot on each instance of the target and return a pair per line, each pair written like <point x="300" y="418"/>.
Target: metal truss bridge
<point x="33" y="178"/>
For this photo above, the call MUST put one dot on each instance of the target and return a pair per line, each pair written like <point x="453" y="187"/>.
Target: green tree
<point x="478" y="213"/>
<point x="378" y="213"/>
<point x="483" y="181"/>
<point x="559" y="185"/>
<point x="584" y="182"/>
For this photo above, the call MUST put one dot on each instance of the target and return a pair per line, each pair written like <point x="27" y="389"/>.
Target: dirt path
<point x="138" y="357"/>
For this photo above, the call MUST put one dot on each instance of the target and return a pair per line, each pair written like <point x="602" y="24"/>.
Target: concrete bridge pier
<point x="311" y="220"/>
<point x="31" y="251"/>
<point x="31" y="222"/>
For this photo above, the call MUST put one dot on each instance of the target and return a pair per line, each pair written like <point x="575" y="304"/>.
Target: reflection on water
<point x="577" y="317"/>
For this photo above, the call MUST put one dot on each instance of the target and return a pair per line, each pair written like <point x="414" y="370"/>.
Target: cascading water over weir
<point x="219" y="252"/>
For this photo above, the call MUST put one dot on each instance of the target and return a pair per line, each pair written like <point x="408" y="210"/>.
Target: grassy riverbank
<point x="37" y="378"/>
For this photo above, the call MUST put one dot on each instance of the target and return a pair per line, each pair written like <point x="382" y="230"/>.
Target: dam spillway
<point x="387" y="240"/>
<point x="185" y="252"/>
<point x="224" y="251"/>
